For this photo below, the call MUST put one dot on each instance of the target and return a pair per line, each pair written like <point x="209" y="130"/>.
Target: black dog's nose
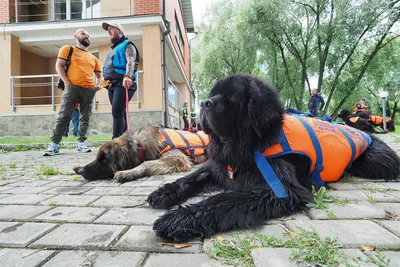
<point x="206" y="103"/>
<point x="80" y="172"/>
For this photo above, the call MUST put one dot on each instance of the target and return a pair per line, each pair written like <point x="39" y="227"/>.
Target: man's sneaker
<point x="82" y="147"/>
<point x="51" y="150"/>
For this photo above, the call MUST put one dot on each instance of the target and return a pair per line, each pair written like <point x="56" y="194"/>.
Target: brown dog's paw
<point x="124" y="176"/>
<point x="76" y="168"/>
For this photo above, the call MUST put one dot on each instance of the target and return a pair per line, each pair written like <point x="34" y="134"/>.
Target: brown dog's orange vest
<point x="377" y="120"/>
<point x="193" y="144"/>
<point x="330" y="147"/>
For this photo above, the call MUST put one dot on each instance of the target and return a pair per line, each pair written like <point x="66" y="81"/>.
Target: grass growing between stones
<point x="322" y="201"/>
<point x="47" y="170"/>
<point x="306" y="246"/>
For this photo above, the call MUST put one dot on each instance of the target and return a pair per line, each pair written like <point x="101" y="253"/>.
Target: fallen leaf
<point x="367" y="248"/>
<point x="125" y="213"/>
<point x="87" y="264"/>
<point x="175" y="245"/>
<point x="220" y="238"/>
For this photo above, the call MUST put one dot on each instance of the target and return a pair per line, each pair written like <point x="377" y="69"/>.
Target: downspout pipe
<point x="165" y="34"/>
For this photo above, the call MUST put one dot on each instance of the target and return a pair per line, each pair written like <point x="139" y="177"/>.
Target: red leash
<point x="127" y="110"/>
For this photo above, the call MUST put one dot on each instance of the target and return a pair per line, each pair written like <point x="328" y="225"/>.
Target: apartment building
<point x="34" y="30"/>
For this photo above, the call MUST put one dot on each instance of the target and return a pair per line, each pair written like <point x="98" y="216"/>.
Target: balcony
<point x="59" y="10"/>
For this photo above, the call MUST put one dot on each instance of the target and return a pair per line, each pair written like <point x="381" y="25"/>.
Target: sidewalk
<point x="64" y="220"/>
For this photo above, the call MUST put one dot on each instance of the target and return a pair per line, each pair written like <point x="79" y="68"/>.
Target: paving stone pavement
<point x="63" y="220"/>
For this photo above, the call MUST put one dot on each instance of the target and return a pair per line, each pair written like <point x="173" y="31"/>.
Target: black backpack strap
<point x="71" y="50"/>
<point x="189" y="147"/>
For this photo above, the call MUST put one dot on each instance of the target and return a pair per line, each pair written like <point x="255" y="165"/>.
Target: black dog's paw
<point x="164" y="197"/>
<point x="176" y="225"/>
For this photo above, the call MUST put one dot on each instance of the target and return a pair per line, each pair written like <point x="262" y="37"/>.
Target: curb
<point x="37" y="146"/>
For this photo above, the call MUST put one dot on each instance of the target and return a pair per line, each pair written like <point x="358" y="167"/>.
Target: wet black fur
<point x="242" y="114"/>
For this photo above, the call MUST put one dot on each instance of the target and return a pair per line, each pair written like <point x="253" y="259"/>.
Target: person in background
<point x="185" y="117"/>
<point x="360" y="106"/>
<point x="316" y="103"/>
<point x="79" y="88"/>
<point x="119" y="72"/>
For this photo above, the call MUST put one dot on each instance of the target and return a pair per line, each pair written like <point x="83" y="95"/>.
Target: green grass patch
<point x="47" y="170"/>
<point x="36" y="140"/>
<point x="306" y="246"/>
<point x="322" y="201"/>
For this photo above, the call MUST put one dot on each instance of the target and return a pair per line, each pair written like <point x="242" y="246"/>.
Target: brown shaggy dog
<point x="120" y="158"/>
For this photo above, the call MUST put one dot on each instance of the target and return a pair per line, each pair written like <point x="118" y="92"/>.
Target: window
<point x="75" y="9"/>
<point x="178" y="36"/>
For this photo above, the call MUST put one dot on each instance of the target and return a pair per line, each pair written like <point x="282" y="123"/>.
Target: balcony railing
<point x="56" y="10"/>
<point x="175" y="98"/>
<point x="41" y="90"/>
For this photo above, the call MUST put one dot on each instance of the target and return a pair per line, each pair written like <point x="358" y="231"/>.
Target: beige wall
<point x="115" y="8"/>
<point x="10" y="61"/>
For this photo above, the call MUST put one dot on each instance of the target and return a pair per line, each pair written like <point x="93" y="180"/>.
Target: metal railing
<point x="175" y="98"/>
<point x="45" y="93"/>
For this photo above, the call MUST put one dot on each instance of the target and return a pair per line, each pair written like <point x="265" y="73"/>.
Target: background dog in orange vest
<point x="376" y="121"/>
<point x="149" y="151"/>
<point x="356" y="121"/>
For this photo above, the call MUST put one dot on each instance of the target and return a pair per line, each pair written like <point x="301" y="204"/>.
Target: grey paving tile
<point x="5" y="188"/>
<point x="361" y="210"/>
<point x="391" y="208"/>
<point x="109" y="191"/>
<point x="350" y="233"/>
<point x="361" y="195"/>
<point x="106" y="183"/>
<point x="393" y="256"/>
<point x="82" y="236"/>
<point x="10" y="257"/>
<point x="67" y="190"/>
<point x="33" y="183"/>
<point x="392" y="226"/>
<point x="179" y="260"/>
<point x="64" y="183"/>
<point x="69" y="200"/>
<point x="151" y="183"/>
<point x="142" y="191"/>
<point x="272" y="257"/>
<point x="26" y="190"/>
<point x="24" y="199"/>
<point x="21" y="234"/>
<point x="119" y="201"/>
<point x="20" y="212"/>
<point x="71" y="214"/>
<point x="142" y="238"/>
<point x="96" y="259"/>
<point x="359" y="186"/>
<point x="131" y="216"/>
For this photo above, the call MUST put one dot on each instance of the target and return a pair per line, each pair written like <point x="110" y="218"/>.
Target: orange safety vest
<point x="331" y="148"/>
<point x="377" y="120"/>
<point x="193" y="144"/>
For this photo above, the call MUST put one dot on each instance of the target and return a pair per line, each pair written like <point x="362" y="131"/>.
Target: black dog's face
<point x="243" y="106"/>
<point x="110" y="159"/>
<point x="221" y="111"/>
<point x="344" y="114"/>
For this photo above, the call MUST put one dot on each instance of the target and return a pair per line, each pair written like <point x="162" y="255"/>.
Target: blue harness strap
<point x="318" y="151"/>
<point x="269" y="175"/>
<point x="352" y="145"/>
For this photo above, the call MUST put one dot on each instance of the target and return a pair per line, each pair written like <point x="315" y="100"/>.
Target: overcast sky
<point x="198" y="9"/>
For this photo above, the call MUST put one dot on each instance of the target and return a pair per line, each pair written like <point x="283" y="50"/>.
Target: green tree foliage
<point x="290" y="42"/>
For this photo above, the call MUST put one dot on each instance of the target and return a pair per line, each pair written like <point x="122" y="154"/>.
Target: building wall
<point x="7" y="10"/>
<point x="174" y="13"/>
<point x="146" y="7"/>
<point x="117" y="8"/>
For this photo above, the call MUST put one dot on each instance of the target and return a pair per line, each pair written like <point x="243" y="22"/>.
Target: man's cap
<point x="363" y="99"/>
<point x="105" y="26"/>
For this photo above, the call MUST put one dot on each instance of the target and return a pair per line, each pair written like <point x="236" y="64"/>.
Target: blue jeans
<point x="75" y="123"/>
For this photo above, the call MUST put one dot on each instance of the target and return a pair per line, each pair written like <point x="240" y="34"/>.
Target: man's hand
<point x="96" y="88"/>
<point x="127" y="83"/>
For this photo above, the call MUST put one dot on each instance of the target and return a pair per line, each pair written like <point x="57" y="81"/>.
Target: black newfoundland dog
<point x="242" y="115"/>
<point x="356" y="121"/>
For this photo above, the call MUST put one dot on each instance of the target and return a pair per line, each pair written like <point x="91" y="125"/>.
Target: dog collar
<point x="140" y="151"/>
<point x="230" y="171"/>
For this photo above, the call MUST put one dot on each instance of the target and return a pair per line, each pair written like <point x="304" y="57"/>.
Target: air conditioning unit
<point x="38" y="2"/>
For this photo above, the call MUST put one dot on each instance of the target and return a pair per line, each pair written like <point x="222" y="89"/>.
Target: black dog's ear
<point x="264" y="109"/>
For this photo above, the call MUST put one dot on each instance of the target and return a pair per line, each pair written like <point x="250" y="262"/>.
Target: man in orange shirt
<point x="79" y="87"/>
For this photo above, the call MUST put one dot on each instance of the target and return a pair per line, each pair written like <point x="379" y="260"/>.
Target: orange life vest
<point x="377" y="120"/>
<point x="330" y="147"/>
<point x="363" y="108"/>
<point x="193" y="144"/>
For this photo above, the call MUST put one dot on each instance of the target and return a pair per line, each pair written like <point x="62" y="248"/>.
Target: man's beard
<point x="84" y="41"/>
<point x="115" y="39"/>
